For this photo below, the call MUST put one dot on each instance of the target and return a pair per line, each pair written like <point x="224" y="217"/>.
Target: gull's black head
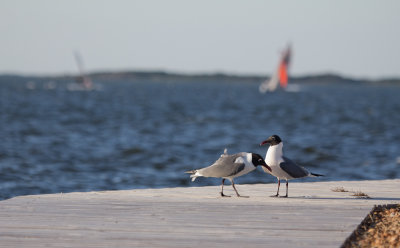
<point x="257" y="160"/>
<point x="273" y="140"/>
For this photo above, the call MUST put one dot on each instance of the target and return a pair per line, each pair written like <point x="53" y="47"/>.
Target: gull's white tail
<point x="194" y="175"/>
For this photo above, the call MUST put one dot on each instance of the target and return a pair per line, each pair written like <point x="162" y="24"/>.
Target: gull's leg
<point x="277" y="192"/>
<point x="233" y="185"/>
<point x="287" y="188"/>
<point x="222" y="189"/>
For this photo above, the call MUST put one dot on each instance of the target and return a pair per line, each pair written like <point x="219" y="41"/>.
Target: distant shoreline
<point x="323" y="78"/>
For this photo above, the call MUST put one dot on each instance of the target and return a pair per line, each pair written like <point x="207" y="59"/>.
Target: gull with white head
<point x="281" y="166"/>
<point x="230" y="167"/>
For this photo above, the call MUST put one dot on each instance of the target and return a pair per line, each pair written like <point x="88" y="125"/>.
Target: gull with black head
<point x="230" y="167"/>
<point x="281" y="166"/>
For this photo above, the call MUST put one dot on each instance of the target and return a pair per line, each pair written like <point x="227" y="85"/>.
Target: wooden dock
<point x="312" y="216"/>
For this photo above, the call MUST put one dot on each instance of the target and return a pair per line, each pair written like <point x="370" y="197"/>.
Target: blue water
<point x="146" y="134"/>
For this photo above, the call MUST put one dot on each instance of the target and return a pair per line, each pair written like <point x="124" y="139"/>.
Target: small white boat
<point x="83" y="82"/>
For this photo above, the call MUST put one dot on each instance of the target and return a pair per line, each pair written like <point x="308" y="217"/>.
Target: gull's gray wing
<point x="292" y="169"/>
<point x="225" y="166"/>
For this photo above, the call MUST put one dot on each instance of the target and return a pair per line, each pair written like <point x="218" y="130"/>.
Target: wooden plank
<point x="313" y="215"/>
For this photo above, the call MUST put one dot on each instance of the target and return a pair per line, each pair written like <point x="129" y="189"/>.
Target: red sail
<point x="283" y="75"/>
<point x="283" y="67"/>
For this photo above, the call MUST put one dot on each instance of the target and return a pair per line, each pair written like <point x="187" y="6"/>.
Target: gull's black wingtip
<point x="316" y="175"/>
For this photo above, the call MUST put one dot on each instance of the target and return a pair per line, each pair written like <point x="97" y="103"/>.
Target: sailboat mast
<point x="87" y="82"/>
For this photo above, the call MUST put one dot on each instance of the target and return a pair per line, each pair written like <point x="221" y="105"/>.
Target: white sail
<point x="269" y="85"/>
<point x="86" y="81"/>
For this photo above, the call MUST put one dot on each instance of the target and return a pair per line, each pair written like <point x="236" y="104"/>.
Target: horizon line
<point x="196" y="74"/>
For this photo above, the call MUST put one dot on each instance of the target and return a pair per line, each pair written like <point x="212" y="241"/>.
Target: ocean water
<point x="142" y="134"/>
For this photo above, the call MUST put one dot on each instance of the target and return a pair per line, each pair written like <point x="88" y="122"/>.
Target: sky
<point x="358" y="38"/>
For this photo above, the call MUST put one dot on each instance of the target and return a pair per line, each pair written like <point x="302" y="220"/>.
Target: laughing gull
<point x="282" y="167"/>
<point x="230" y="167"/>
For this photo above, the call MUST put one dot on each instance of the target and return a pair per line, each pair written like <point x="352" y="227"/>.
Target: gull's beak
<point x="265" y="142"/>
<point x="267" y="167"/>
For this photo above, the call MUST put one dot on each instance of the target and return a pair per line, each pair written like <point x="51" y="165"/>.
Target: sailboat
<point x="83" y="82"/>
<point x="280" y="77"/>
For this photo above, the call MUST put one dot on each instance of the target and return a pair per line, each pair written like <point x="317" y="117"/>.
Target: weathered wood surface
<point x="313" y="216"/>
